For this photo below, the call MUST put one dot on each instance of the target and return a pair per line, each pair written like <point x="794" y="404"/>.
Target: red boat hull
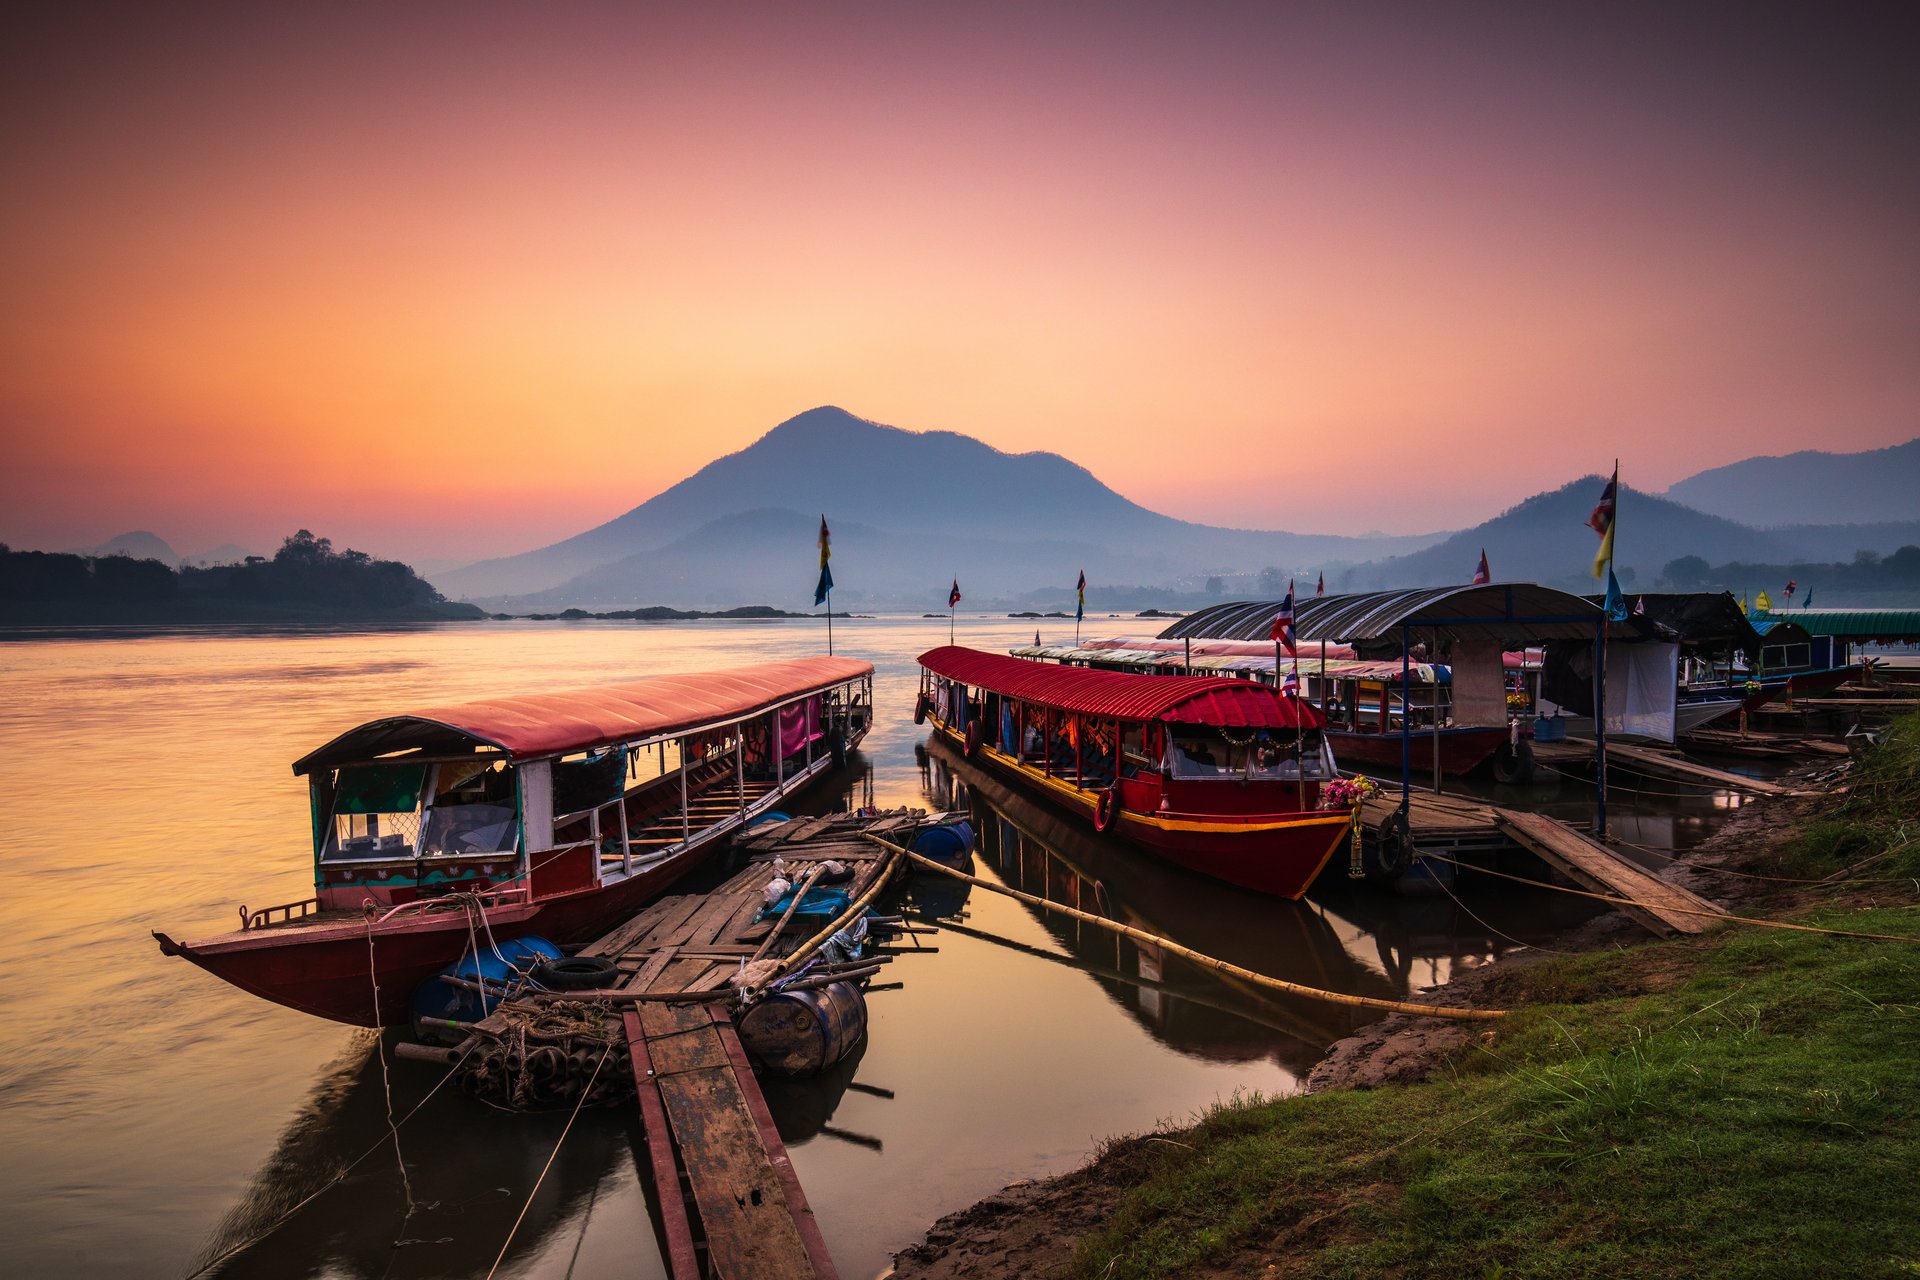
<point x="1278" y="854"/>
<point x="332" y="970"/>
<point x="1461" y="750"/>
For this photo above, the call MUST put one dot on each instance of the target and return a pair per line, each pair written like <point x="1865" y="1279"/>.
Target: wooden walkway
<point x="1658" y="904"/>
<point x="1655" y="764"/>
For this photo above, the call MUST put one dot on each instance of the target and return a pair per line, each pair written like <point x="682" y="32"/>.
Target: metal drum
<point x="802" y="1033"/>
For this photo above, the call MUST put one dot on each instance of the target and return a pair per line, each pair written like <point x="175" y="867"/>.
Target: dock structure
<point x="1654" y="764"/>
<point x="730" y="1203"/>
<point x="1664" y="907"/>
<point x="1446" y="825"/>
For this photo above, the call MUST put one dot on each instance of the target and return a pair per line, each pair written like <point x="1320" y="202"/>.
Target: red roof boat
<point x="448" y="829"/>
<point x="1216" y="774"/>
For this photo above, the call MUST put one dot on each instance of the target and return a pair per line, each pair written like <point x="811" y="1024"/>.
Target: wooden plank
<point x="1597" y="868"/>
<point x="751" y="1230"/>
<point x="633" y="930"/>
<point x="682" y="1261"/>
<point x="651" y="969"/>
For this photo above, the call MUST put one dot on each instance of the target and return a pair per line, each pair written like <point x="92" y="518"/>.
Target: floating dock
<point x="672" y="980"/>
<point x="1650" y="763"/>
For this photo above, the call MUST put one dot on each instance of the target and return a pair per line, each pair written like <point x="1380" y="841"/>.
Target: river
<point x="153" y="1118"/>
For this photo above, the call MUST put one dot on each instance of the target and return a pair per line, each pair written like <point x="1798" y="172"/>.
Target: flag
<point x="1320" y="587"/>
<point x="1640" y="605"/>
<point x="1080" y="610"/>
<point x="1808" y="602"/>
<point x="1791" y="584"/>
<point x="825" y="584"/>
<point x="1482" y="575"/>
<point x="1601" y="522"/>
<point x="1283" y="622"/>
<point x="1290" y="685"/>
<point x="1743" y="602"/>
<point x="1763" y="602"/>
<point x="1036" y="639"/>
<point x="953" y="596"/>
<point x="1616" y="604"/>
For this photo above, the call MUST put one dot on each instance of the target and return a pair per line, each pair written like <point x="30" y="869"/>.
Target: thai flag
<point x="953" y="596"/>
<point x="1482" y="575"/>
<point x="1290" y="687"/>
<point x="1283" y="623"/>
<point x="1320" y="587"/>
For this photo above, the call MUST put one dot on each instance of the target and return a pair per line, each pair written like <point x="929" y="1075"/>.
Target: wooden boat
<point x="556" y="815"/>
<point x="1215" y="774"/>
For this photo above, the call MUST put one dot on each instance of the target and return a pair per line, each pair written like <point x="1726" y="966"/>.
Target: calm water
<point x="151" y="1116"/>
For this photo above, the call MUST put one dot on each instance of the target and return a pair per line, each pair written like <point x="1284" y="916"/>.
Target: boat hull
<point x="1461" y="750"/>
<point x="1277" y="854"/>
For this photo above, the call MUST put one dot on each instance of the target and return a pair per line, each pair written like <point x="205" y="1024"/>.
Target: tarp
<point x="1211" y="700"/>
<point x="547" y="724"/>
<point x="1642" y="686"/>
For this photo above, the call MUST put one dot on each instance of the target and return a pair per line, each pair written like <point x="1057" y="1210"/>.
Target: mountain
<point x="908" y="508"/>
<point x="1810" y="487"/>
<point x="1546" y="539"/>
<point x="140" y="545"/>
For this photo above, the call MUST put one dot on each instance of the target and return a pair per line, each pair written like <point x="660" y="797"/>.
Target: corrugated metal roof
<point x="1889" y="626"/>
<point x="1780" y="630"/>
<point x="1522" y="612"/>
<point x="544" y="724"/>
<point x="1212" y="700"/>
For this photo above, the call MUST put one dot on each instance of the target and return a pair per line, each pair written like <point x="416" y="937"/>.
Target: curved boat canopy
<point x="1222" y="701"/>
<point x="1516" y="612"/>
<point x="548" y="724"/>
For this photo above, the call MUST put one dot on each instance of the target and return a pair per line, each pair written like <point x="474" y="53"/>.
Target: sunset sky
<point x="446" y="281"/>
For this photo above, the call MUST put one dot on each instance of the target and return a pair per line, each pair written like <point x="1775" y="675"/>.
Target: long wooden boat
<point x="1216" y="774"/>
<point x="455" y="828"/>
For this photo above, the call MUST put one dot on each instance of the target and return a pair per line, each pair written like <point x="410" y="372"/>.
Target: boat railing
<point x="287" y="911"/>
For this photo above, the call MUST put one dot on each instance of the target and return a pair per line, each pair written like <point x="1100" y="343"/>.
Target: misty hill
<point x="907" y="507"/>
<point x="138" y="545"/>
<point x="1810" y="488"/>
<point x="1546" y="539"/>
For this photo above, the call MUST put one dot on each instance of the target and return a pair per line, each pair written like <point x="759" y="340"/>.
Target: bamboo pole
<point x="1206" y="961"/>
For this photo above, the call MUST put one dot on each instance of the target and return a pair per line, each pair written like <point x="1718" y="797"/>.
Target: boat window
<point x="1261" y="757"/>
<point x="376" y="811"/>
<point x="474" y="810"/>
<point x="589" y="782"/>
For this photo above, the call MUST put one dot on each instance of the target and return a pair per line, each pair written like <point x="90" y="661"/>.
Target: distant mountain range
<point x="909" y="511"/>
<point x="142" y="545"/>
<point x="1880" y="485"/>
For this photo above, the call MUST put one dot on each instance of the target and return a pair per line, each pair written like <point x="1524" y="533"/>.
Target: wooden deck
<point x="1661" y="906"/>
<point x="1655" y="764"/>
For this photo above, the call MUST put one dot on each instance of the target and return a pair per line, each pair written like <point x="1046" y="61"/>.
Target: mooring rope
<point x="1248" y="975"/>
<point x="554" y="1154"/>
<point x="1685" y="911"/>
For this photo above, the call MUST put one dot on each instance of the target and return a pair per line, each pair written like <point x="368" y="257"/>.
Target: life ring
<point x="920" y="710"/>
<point x="972" y="740"/>
<point x="576" y="973"/>
<point x="1106" y="810"/>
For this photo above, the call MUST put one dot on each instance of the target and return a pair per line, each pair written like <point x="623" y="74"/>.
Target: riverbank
<point x="1734" y="1104"/>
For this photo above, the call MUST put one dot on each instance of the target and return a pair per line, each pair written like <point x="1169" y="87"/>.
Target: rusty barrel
<point x="802" y="1033"/>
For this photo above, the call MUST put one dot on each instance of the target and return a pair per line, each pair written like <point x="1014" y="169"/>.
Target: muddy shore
<point x="1029" y="1229"/>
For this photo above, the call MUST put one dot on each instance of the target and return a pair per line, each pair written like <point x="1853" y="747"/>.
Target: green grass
<point x="1880" y="814"/>
<point x="1742" y="1104"/>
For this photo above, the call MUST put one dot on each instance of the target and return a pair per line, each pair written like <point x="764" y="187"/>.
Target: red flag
<point x="953" y="596"/>
<point x="1283" y="622"/>
<point x="1482" y="574"/>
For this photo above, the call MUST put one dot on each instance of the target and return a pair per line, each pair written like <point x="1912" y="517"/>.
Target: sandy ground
<point x="1029" y="1229"/>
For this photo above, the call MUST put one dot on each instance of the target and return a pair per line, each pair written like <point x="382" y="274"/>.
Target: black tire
<point x="576" y="973"/>
<point x="1106" y="810"/>
<point x="920" y="710"/>
<point x="972" y="739"/>
<point x="1513" y="764"/>
<point x="1395" y="856"/>
<point x="837" y="748"/>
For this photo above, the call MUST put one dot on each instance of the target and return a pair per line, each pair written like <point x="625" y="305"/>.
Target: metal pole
<point x="1406" y="722"/>
<point x="829" y="624"/>
<point x="686" y="820"/>
<point x="1600" y="726"/>
<point x="1433" y="665"/>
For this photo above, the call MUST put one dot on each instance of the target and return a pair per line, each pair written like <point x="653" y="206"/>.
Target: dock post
<point x="1406" y="722"/>
<point x="1600" y="726"/>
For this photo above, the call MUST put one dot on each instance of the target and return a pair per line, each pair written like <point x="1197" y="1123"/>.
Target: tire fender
<point x="1106" y="810"/>
<point x="972" y="740"/>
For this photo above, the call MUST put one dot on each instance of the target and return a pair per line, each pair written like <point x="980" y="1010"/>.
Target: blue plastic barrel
<point x="945" y="843"/>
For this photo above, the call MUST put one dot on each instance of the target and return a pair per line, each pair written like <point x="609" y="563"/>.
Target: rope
<point x="386" y="1083"/>
<point x="337" y="1178"/>
<point x="1673" y="855"/>
<point x="1248" y="975"/>
<point x="1685" y="911"/>
<point x="508" y="1242"/>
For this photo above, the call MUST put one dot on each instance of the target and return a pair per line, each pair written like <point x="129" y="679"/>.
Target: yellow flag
<point x="1762" y="603"/>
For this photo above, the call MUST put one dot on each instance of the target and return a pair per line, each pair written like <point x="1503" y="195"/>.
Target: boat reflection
<point x="1343" y="938"/>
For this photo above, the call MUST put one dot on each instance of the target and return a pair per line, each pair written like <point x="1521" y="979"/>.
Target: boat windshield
<point x="388" y="811"/>
<point x="1207" y="753"/>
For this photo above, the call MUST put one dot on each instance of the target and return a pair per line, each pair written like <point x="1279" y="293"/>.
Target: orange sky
<point x="453" y="281"/>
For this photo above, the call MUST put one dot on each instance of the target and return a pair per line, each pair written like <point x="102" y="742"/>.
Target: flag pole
<point x="829" y="624"/>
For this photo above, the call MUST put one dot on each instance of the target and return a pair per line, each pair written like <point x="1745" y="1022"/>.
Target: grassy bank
<point x="1741" y="1104"/>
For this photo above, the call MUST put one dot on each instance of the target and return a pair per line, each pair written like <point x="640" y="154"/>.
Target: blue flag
<point x="825" y="584"/>
<point x="1616" y="604"/>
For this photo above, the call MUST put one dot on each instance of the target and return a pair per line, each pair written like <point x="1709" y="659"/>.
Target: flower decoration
<point x="1348" y="793"/>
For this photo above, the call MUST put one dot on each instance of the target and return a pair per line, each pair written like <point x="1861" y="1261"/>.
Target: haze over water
<point x="143" y="1102"/>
